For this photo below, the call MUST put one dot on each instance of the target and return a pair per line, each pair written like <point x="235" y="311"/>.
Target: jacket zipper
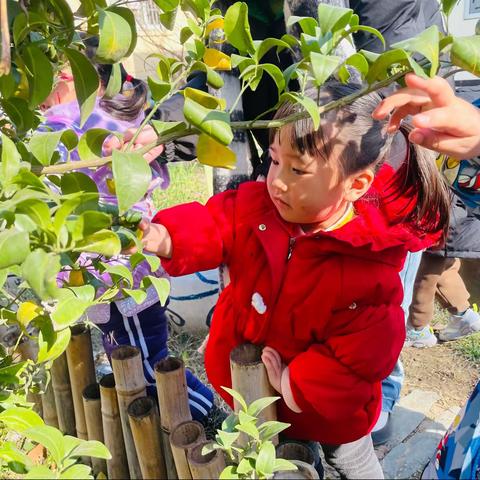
<point x="291" y="244"/>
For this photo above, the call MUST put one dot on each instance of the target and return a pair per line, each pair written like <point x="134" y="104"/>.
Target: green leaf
<point x="237" y="28"/>
<point x="380" y="67"/>
<point x="426" y="44"/>
<point x="212" y="153"/>
<point x="323" y="66"/>
<point x="7" y="85"/>
<point x="40" y="472"/>
<point x="161" y="285"/>
<point x="167" y="128"/>
<point x="229" y="424"/>
<point x="214" y="79"/>
<point x="91" y="143"/>
<point x="227" y="439"/>
<point x="64" y="16"/>
<point x="40" y="270"/>
<point x="266" y="459"/>
<point x="119" y="271"/>
<point x="307" y="24"/>
<point x="332" y="18"/>
<point x="245" y="466"/>
<point x="48" y="353"/>
<point x="447" y="6"/>
<point x="92" y="448"/>
<point x="19" y="113"/>
<point x="214" y="123"/>
<point x="371" y="30"/>
<point x="77" y="471"/>
<point x="11" y="160"/>
<point x="168" y="19"/>
<point x="75" y="182"/>
<point x="261" y="404"/>
<point x="465" y="53"/>
<point x="69" y="311"/>
<point x="307" y="103"/>
<point x="9" y="453"/>
<point x="38" y="211"/>
<point x="185" y="34"/>
<point x="359" y="62"/>
<point x="69" y="139"/>
<point x="23" y="23"/>
<point x="20" y="419"/>
<point x="90" y="222"/>
<point x="103" y="242"/>
<point x="229" y="473"/>
<point x="115" y="36"/>
<point x="268" y="44"/>
<point x="276" y="75"/>
<point x="282" y="465"/>
<point x="63" y="212"/>
<point x="132" y="175"/>
<point x="114" y="82"/>
<point x="86" y="82"/>
<point x="158" y="90"/>
<point x="14" y="247"/>
<point x="237" y="396"/>
<point x="39" y="75"/>
<point x="250" y="429"/>
<point x="138" y="296"/>
<point x="270" y="429"/>
<point x="50" y="438"/>
<point x="43" y="145"/>
<point x="244" y="417"/>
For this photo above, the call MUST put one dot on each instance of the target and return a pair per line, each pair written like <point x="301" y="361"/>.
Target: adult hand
<point x="442" y="121"/>
<point x="146" y="136"/>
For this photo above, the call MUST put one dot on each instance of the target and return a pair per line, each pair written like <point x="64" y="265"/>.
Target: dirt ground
<point x="442" y="370"/>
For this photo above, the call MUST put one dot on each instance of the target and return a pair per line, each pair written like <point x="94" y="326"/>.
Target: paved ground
<point x="418" y="425"/>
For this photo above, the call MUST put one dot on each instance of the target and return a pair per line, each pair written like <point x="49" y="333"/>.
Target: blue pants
<point x="392" y="385"/>
<point x="149" y="332"/>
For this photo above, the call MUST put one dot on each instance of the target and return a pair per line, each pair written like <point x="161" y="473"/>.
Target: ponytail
<point x="128" y="105"/>
<point x="420" y="179"/>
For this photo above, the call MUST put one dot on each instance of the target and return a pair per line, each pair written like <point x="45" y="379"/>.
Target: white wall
<point x="461" y="26"/>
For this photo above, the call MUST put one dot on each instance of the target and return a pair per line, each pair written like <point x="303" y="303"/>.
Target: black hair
<point x="365" y="144"/>
<point x="124" y="106"/>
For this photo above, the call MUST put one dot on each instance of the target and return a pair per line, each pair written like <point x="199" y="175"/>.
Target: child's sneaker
<point x="422" y="338"/>
<point x="461" y="325"/>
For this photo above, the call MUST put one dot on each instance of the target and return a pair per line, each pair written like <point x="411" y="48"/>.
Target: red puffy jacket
<point x="328" y="302"/>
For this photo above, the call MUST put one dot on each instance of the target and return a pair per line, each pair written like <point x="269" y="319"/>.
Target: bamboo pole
<point x="295" y="451"/>
<point x="249" y="377"/>
<point x="117" y="466"/>
<point x="82" y="373"/>
<point x="173" y="403"/>
<point x="183" y="438"/>
<point x="29" y="351"/>
<point x="145" y="425"/>
<point x="93" y="419"/>
<point x="130" y="384"/>
<point x="304" y="471"/>
<point x="205" y="466"/>
<point x="63" y="395"/>
<point x="49" y="407"/>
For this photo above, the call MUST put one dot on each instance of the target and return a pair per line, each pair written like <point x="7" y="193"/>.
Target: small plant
<point x="247" y="444"/>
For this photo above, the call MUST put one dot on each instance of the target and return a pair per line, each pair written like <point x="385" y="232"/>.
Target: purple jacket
<point x="67" y="116"/>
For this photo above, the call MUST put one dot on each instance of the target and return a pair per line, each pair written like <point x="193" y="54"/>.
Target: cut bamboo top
<point x="128" y="370"/>
<point x="247" y="354"/>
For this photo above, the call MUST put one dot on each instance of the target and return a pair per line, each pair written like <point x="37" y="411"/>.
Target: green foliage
<point x="248" y="443"/>
<point x="53" y="221"/>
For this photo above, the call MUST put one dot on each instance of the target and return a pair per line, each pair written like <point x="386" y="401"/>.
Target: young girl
<point x="123" y="321"/>
<point x="314" y="255"/>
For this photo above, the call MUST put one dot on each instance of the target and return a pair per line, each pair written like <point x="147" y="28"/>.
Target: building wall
<point x="462" y="22"/>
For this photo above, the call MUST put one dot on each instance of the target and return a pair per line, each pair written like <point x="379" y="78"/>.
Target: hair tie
<point x="128" y="78"/>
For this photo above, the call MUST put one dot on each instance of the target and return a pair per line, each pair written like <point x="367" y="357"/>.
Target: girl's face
<point x="308" y="190"/>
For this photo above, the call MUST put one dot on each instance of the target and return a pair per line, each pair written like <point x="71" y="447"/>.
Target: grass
<point x="469" y="347"/>
<point x="188" y="183"/>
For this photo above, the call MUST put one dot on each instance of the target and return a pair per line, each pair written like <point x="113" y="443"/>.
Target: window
<point x="472" y="9"/>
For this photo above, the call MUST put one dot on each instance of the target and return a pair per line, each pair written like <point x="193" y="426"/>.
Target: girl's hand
<point x="147" y="135"/>
<point x="279" y="377"/>
<point x="442" y="121"/>
<point x="274" y="365"/>
<point x="155" y="239"/>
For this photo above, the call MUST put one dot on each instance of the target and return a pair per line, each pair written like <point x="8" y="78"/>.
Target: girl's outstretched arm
<point x="442" y="121"/>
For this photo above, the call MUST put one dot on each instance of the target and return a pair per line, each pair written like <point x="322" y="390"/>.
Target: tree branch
<point x="245" y="125"/>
